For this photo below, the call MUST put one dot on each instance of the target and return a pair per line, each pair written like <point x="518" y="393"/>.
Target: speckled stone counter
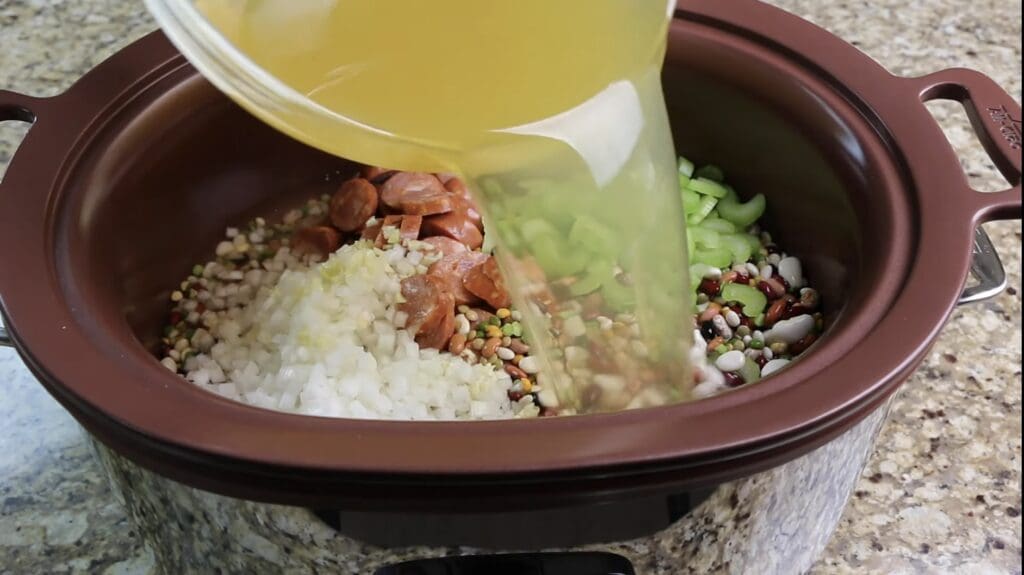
<point x="941" y="494"/>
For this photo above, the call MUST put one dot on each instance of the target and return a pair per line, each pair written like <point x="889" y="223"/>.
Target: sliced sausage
<point x="428" y="308"/>
<point x="465" y="202"/>
<point x="353" y="204"/>
<point x="408" y="229"/>
<point x="459" y="188"/>
<point x="453" y="269"/>
<point x="376" y="174"/>
<point x="417" y="194"/>
<point x="445" y="177"/>
<point x="437" y="336"/>
<point x="446" y="246"/>
<point x="485" y="282"/>
<point x="458" y="226"/>
<point x="317" y="240"/>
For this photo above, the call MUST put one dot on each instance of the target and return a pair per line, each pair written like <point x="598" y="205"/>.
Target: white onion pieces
<point x="323" y="341"/>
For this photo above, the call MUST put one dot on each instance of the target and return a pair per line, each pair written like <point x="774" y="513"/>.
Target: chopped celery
<point x="598" y="273"/>
<point x="713" y="222"/>
<point x="711" y="172"/>
<point x="691" y="201"/>
<point x="686" y="167"/>
<point x="684" y="182"/>
<point x="719" y="258"/>
<point x="618" y="296"/>
<point x="750" y="372"/>
<point x="555" y="259"/>
<point x="739" y="247"/>
<point x="706" y="187"/>
<point x="753" y="241"/>
<point x="700" y="270"/>
<point x="752" y="300"/>
<point x="588" y="285"/>
<point x="707" y="205"/>
<point x="706" y="238"/>
<point x="594" y="236"/>
<point x="540" y="185"/>
<point x="691" y="246"/>
<point x="537" y="228"/>
<point x="509" y="233"/>
<point x="743" y="215"/>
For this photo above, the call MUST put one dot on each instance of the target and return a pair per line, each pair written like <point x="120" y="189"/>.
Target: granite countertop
<point x="942" y="493"/>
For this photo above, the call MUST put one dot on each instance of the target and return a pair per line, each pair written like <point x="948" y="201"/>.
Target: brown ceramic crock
<point x="127" y="180"/>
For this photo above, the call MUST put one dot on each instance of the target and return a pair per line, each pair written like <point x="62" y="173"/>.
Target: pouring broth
<point x="553" y="114"/>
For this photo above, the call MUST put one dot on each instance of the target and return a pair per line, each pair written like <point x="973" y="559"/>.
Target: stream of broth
<point x="553" y="113"/>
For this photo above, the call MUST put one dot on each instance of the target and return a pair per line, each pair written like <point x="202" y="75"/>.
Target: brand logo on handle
<point x="1008" y="125"/>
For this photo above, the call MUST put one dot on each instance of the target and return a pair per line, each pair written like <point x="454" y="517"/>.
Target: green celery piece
<point x="537" y="228"/>
<point x="598" y="273"/>
<point x="510" y="233"/>
<point x="595" y="237"/>
<point x="719" y="258"/>
<point x="691" y="246"/>
<point x="697" y="273"/>
<point x="739" y="247"/>
<point x="753" y="241"/>
<point x="556" y="259"/>
<point x="705" y="237"/>
<point x="753" y="301"/>
<point x="684" y="182"/>
<point x="711" y="172"/>
<point x="707" y="205"/>
<point x="686" y="167"/>
<point x="618" y="297"/>
<point x="750" y="371"/>
<point x="713" y="222"/>
<point x="743" y="215"/>
<point x="691" y="201"/>
<point x="706" y="187"/>
<point x="587" y="285"/>
<point x="545" y="250"/>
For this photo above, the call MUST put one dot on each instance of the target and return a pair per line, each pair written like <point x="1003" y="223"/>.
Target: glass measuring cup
<point x="571" y="158"/>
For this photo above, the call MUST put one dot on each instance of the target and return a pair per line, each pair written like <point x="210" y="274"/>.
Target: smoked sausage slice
<point x="452" y="271"/>
<point x="446" y="246"/>
<point x="457" y="225"/>
<point x="485" y="282"/>
<point x="316" y="240"/>
<point x="417" y="194"/>
<point x="428" y="307"/>
<point x="353" y="204"/>
<point x="465" y="202"/>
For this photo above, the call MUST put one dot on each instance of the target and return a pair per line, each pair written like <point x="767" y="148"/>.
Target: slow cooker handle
<point x="996" y="118"/>
<point x="18" y="108"/>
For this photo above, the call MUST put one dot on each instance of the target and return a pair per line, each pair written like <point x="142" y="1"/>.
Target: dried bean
<point x="457" y="344"/>
<point x="515" y="372"/>
<point x="519" y="347"/>
<point x="490" y="347"/>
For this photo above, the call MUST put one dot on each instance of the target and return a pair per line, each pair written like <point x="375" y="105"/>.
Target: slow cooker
<point x="128" y="178"/>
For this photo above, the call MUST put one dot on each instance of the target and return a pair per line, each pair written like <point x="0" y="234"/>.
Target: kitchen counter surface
<point x="942" y="493"/>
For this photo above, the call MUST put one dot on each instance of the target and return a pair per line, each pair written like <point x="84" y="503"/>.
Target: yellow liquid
<point x="553" y="112"/>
